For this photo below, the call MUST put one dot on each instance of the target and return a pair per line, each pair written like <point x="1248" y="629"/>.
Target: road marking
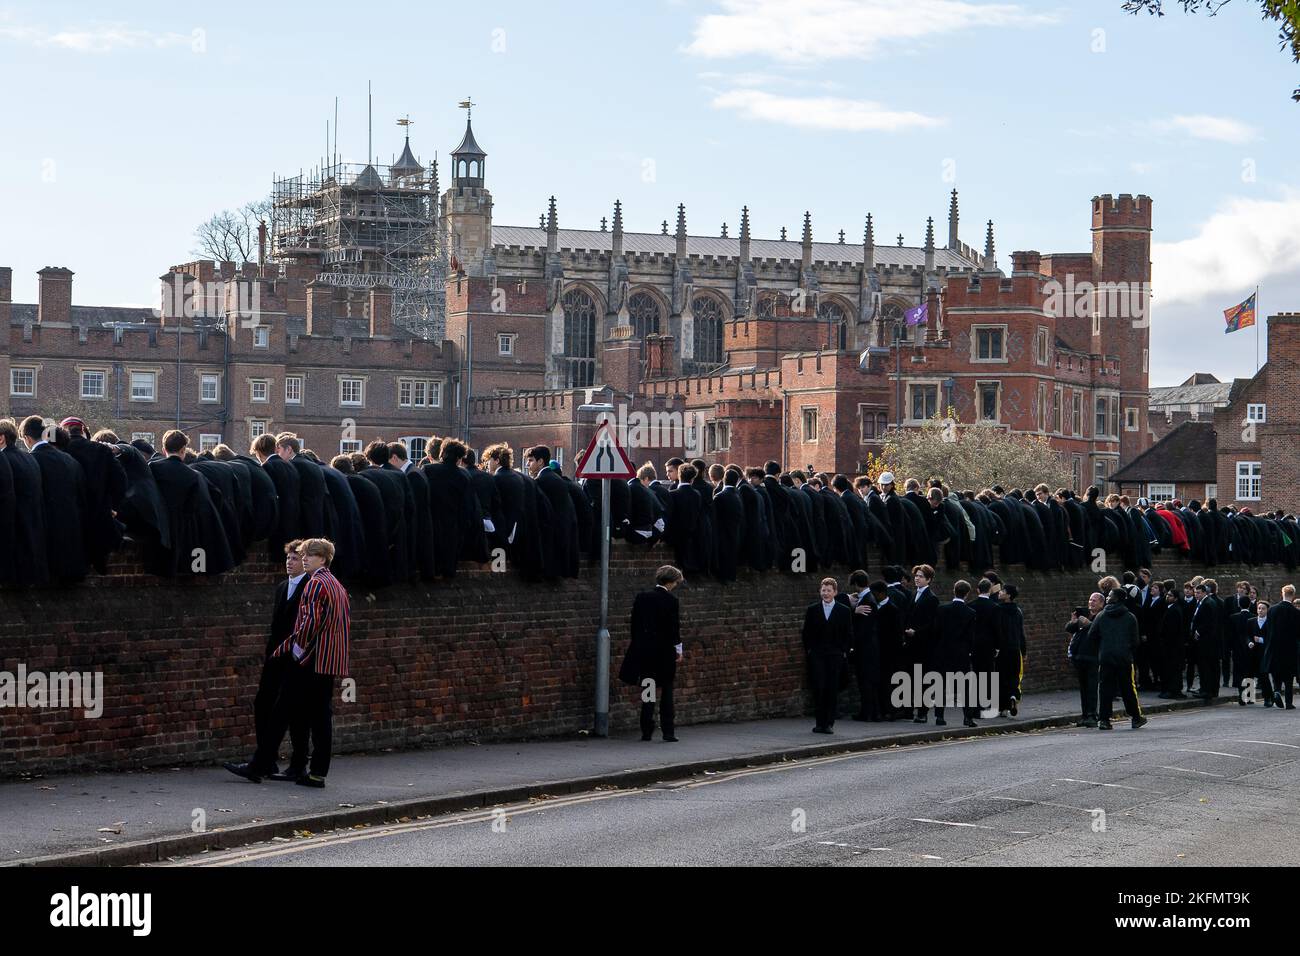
<point x="879" y="849"/>
<point x="1042" y="803"/>
<point x="1094" y="783"/>
<point x="973" y="826"/>
<point x="1185" y="770"/>
<point x="247" y="854"/>
<point x="1271" y="743"/>
<point x="1216" y="753"/>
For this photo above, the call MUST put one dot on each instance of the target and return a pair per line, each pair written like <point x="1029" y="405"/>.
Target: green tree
<point x="1285" y="13"/>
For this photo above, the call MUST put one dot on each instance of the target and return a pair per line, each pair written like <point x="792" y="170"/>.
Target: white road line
<point x="1042" y="803"/>
<point x="1095" y="783"/>
<point x="973" y="826"/>
<point x="1185" y="770"/>
<point x="1271" y="743"/>
<point x="878" y="849"/>
<point x="1216" y="753"/>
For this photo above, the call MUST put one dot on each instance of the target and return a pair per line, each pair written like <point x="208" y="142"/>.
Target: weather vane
<point x="406" y="122"/>
<point x="468" y="106"/>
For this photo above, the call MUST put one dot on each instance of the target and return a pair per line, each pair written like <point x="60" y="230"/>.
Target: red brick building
<point x="741" y="349"/>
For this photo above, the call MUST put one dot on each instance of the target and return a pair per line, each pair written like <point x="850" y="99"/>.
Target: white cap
<point x="887" y="478"/>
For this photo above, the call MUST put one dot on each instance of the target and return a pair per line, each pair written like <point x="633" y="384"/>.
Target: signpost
<point x="604" y="461"/>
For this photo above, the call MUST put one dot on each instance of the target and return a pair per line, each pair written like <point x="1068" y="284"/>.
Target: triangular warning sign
<point x="605" y="457"/>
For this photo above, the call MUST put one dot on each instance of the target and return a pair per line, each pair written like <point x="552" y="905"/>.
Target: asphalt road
<point x="1215" y="787"/>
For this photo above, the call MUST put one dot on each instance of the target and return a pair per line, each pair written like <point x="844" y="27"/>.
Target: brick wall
<point x="483" y="657"/>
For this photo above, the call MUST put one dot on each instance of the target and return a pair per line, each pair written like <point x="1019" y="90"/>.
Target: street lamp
<point x="601" y="723"/>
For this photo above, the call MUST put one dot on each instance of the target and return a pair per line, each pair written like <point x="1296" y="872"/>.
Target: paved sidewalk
<point x="120" y="818"/>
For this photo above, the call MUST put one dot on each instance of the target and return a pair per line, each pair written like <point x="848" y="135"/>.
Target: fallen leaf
<point x="113" y="829"/>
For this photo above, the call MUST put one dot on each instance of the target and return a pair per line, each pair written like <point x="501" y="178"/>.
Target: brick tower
<point x="1121" y="269"/>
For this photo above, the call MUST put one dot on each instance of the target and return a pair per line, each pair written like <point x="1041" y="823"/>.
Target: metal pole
<point x="602" y="635"/>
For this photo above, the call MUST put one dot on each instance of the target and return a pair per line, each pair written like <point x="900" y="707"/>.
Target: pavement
<point x="146" y="816"/>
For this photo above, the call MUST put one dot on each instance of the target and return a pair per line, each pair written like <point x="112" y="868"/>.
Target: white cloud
<point x="1219" y="128"/>
<point x="821" y="112"/>
<point x="96" y="38"/>
<point x="802" y="31"/>
<point x="1244" y="243"/>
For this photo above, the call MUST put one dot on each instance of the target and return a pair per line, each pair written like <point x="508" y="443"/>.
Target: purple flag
<point x="917" y="316"/>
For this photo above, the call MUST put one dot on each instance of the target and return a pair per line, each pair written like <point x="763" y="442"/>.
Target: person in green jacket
<point x="1116" y="634"/>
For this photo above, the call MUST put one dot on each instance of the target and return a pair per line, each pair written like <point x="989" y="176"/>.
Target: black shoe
<point x="821" y="730"/>
<point x="918" y="720"/>
<point x="1139" y="722"/>
<point x="670" y="740"/>
<point x="311" y="780"/>
<point x="1090" y="722"/>
<point x="291" y="775"/>
<point x="1015" y="707"/>
<point x="1081" y="723"/>
<point x="647" y="737"/>
<point x="969" y="723"/>
<point x="245" y="770"/>
<point x="1104" y="725"/>
<point x="1277" y="699"/>
<point x="1241" y="701"/>
<point x="1268" y="703"/>
<point x="940" y="722"/>
<point x="1164" y="696"/>
<point x="1290" y="706"/>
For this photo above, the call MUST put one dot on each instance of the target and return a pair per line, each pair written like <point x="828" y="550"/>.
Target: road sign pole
<point x="602" y="635"/>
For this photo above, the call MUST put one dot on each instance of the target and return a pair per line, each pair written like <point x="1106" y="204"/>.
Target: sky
<point x="125" y="125"/>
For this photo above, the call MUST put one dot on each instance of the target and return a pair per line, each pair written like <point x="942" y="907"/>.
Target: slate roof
<point x="649" y="243"/>
<point x="91" y="315"/>
<point x="1186" y="454"/>
<point x="1212" y="394"/>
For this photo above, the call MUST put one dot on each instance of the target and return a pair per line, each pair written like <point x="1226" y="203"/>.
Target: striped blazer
<point x="323" y="625"/>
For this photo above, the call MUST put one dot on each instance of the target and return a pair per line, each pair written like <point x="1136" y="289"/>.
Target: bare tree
<point x="231" y="235"/>
<point x="1285" y="13"/>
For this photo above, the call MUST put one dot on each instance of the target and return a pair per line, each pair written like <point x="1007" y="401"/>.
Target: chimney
<point x="658" y="356"/>
<point x="6" y="297"/>
<point x="320" y="308"/>
<point x="1025" y="262"/>
<point x="261" y="243"/>
<point x="55" y="298"/>
<point x="175" y="287"/>
<point x="621" y="363"/>
<point x="381" y="311"/>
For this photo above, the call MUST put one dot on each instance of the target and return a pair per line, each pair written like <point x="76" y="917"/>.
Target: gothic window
<point x="578" y="365"/>
<point x="837" y="322"/>
<point x="707" y="335"/>
<point x="643" y="308"/>
<point x="893" y="317"/>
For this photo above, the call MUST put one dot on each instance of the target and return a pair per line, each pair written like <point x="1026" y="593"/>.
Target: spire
<point x="744" y="234"/>
<point x="900" y="240"/>
<point x="869" y="244"/>
<point x="990" y="259"/>
<point x="681" y="230"/>
<point x="952" y="221"/>
<point x="724" y="230"/>
<point x="618" y="228"/>
<point x="406" y="165"/>
<point x="841" y="237"/>
<point x="541" y="221"/>
<point x="807" y="228"/>
<point x="604" y="224"/>
<point x="929" y="244"/>
<point x="783" y="235"/>
<point x="665" y="227"/>
<point x="433" y="175"/>
<point x="552" y="229"/>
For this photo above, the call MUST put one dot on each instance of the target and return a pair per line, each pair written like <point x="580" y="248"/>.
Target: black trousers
<point x="664" y="696"/>
<point x="1284" y="685"/>
<point x="1122" y="679"/>
<point x="866" y="665"/>
<point x="1088" y="676"/>
<point x="824" y="681"/>
<point x="275" y="671"/>
<point x="305" y="705"/>
<point x="1173" y="658"/>
<point x="1009" y="666"/>
<point x="1148" y="667"/>
<point x="1209" y="665"/>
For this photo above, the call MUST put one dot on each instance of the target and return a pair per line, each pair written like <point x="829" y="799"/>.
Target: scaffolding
<point x="364" y="228"/>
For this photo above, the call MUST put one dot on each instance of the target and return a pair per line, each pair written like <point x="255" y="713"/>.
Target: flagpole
<point x="1257" y="314"/>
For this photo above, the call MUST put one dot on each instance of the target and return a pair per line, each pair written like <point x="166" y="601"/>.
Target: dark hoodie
<point x="1116" y="634"/>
